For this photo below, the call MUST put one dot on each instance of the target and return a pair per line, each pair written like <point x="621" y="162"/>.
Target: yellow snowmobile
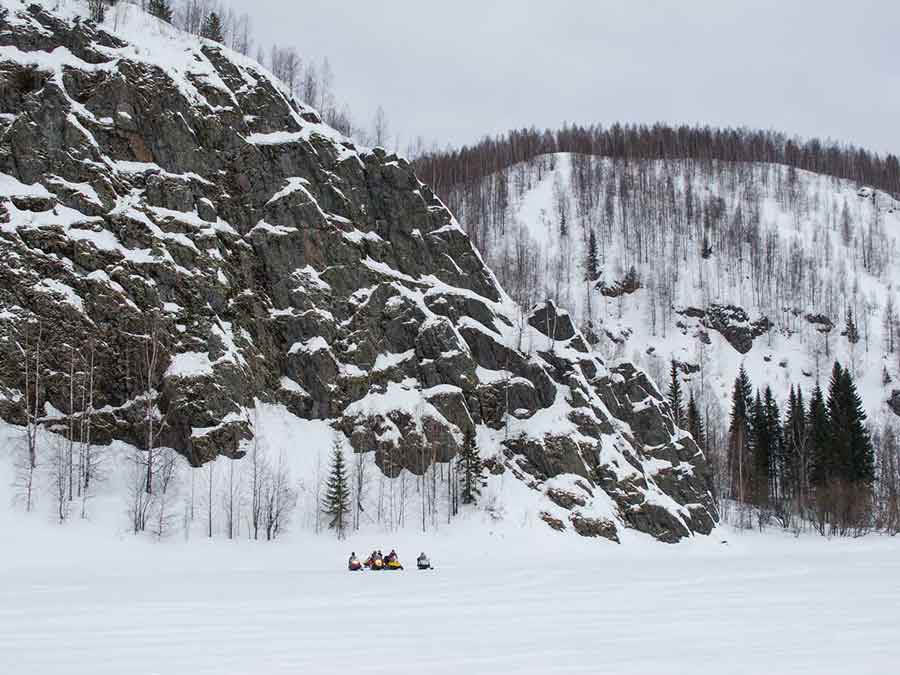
<point x="392" y="562"/>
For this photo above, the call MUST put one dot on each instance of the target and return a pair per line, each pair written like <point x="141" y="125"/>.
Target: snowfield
<point x="75" y="600"/>
<point x="507" y="594"/>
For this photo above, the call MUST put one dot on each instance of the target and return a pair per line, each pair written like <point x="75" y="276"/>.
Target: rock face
<point x="181" y="204"/>
<point x="732" y="322"/>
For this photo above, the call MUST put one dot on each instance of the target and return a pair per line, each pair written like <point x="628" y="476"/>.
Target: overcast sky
<point x="456" y="70"/>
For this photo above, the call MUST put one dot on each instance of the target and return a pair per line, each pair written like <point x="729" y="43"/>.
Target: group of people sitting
<point x="376" y="561"/>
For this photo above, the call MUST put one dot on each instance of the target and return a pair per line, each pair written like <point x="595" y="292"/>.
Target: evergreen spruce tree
<point x="850" y="329"/>
<point x="889" y="323"/>
<point x="846" y="225"/>
<point x="212" y="28"/>
<point x="845" y="463"/>
<point x="675" y="402"/>
<point x="739" y="435"/>
<point x="795" y="446"/>
<point x="469" y="470"/>
<point x="591" y="274"/>
<point x="592" y="264"/>
<point x="761" y="447"/>
<point x="695" y="423"/>
<point x="860" y="460"/>
<point x="775" y="435"/>
<point x="836" y="458"/>
<point x="706" y="251"/>
<point x="818" y="434"/>
<point x="161" y="9"/>
<point x="337" y="494"/>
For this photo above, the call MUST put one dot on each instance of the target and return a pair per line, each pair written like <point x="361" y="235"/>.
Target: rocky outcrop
<point x="821" y="322"/>
<point x="594" y="527"/>
<point x="554" y="523"/>
<point x="565" y="499"/>
<point x="212" y="243"/>
<point x="733" y="323"/>
<point x="627" y="285"/>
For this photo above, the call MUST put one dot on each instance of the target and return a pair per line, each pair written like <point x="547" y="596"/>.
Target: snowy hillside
<point x="711" y="264"/>
<point x="193" y="263"/>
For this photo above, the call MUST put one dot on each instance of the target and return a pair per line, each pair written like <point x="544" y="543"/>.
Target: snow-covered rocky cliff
<point x="167" y="207"/>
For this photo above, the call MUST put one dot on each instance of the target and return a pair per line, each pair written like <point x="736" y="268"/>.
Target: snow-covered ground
<point x="74" y="601"/>
<point x="508" y="594"/>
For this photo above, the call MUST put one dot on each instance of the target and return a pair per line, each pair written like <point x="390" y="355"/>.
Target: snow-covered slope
<point x="196" y="252"/>
<point x="714" y="265"/>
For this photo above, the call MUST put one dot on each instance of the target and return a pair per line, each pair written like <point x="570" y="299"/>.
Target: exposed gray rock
<point x="270" y="258"/>
<point x="594" y="527"/>
<point x="625" y="286"/>
<point x="732" y="322"/>
<point x="565" y="499"/>
<point x="657" y="521"/>
<point x="554" y="523"/>
<point x="551" y="321"/>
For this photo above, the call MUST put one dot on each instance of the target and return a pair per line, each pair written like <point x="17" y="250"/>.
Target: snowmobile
<point x="375" y="564"/>
<point x="354" y="565"/>
<point x="392" y="562"/>
<point x="423" y="563"/>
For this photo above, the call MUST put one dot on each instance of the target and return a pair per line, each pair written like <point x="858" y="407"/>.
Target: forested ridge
<point x="445" y="169"/>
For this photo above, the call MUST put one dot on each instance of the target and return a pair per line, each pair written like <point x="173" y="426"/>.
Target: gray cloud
<point x="453" y="71"/>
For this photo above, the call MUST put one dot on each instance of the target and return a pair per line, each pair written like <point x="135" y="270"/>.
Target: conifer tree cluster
<point x="694" y="422"/>
<point x="685" y="415"/>
<point x="161" y="9"/>
<point x="212" y="28"/>
<point x="816" y="460"/>
<point x="675" y="397"/>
